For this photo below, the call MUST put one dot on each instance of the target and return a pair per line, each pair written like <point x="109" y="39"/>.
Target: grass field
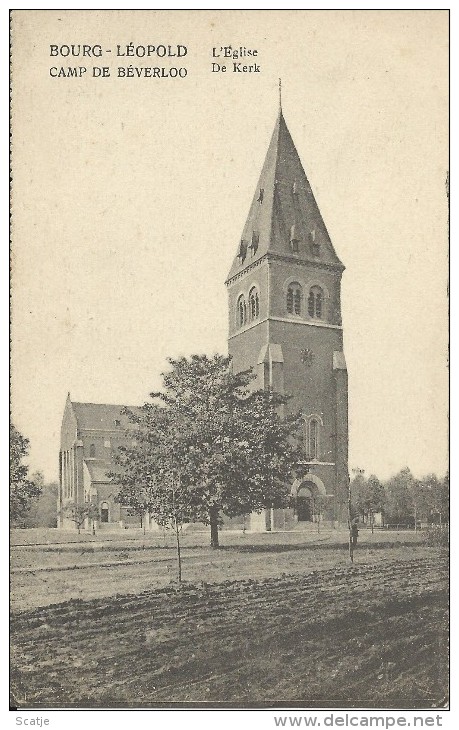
<point x="268" y="620"/>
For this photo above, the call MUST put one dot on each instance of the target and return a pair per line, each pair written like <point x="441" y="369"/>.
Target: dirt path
<point x="373" y="635"/>
<point x="40" y="578"/>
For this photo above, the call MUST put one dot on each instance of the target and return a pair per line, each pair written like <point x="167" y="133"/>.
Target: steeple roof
<point x="284" y="218"/>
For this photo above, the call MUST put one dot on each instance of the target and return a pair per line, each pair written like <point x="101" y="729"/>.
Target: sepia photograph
<point x="229" y="466"/>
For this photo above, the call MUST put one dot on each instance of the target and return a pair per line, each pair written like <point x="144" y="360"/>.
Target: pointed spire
<point x="284" y="202"/>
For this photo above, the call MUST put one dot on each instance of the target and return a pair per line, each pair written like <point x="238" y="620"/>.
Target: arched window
<point x="313" y="439"/>
<point x="316" y="302"/>
<point x="254" y="304"/>
<point x="241" y="311"/>
<point x="294" y="297"/>
<point x="92" y="451"/>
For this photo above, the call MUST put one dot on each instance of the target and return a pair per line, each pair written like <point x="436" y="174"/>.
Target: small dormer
<point x="242" y="251"/>
<point x="294" y="239"/>
<point x="254" y="242"/>
<point x="314" y="244"/>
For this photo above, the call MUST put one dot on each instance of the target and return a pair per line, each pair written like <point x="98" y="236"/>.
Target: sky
<point x="130" y="195"/>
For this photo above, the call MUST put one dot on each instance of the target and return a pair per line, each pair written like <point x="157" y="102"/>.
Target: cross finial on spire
<point x="280" y="94"/>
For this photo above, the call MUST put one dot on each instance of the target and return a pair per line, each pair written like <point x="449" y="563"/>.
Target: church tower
<point x="285" y="323"/>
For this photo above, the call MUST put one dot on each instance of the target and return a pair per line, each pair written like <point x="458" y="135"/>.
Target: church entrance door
<point x="304" y="507"/>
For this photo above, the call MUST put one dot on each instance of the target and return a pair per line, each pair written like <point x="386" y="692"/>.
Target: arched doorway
<point x="304" y="504"/>
<point x="104" y="511"/>
<point x="307" y="493"/>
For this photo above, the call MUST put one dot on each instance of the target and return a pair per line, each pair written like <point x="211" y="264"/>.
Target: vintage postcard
<point x="229" y="476"/>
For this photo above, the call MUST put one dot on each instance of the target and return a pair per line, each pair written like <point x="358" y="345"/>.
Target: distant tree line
<point x="24" y="490"/>
<point x="33" y="502"/>
<point x="43" y="509"/>
<point x="402" y="499"/>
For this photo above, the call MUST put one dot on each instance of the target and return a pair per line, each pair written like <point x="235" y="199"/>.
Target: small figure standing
<point x="354" y="532"/>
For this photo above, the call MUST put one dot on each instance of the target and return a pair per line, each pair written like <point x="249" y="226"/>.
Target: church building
<point x="90" y="435"/>
<point x="285" y="322"/>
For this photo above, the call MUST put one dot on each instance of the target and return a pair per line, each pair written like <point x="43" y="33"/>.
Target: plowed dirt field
<point x="369" y="635"/>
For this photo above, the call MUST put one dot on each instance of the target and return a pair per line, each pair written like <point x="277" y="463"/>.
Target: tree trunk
<point x="213" y="513"/>
<point x="179" y="557"/>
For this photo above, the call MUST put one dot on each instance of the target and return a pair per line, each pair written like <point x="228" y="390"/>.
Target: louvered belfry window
<point x="315" y="302"/>
<point x="254" y="304"/>
<point x="294" y="296"/>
